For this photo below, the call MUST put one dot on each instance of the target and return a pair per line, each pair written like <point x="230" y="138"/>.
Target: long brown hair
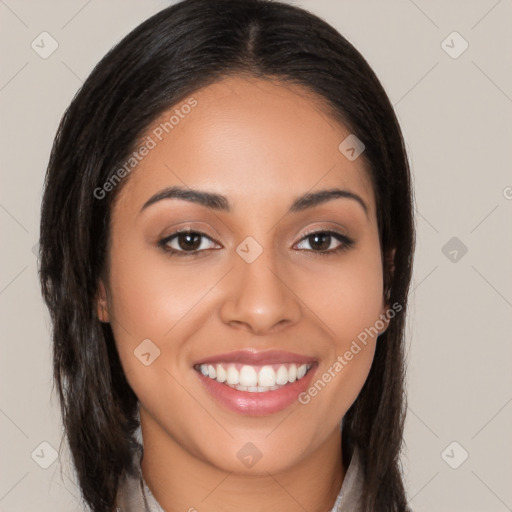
<point x="162" y="61"/>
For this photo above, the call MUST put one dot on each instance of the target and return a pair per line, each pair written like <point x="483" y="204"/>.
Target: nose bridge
<point x="259" y="296"/>
<point x="259" y="266"/>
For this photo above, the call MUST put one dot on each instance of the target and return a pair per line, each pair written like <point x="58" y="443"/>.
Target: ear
<point x="389" y="271"/>
<point x="102" y="303"/>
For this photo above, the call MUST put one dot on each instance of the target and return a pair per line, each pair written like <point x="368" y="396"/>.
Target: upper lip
<point x="251" y="357"/>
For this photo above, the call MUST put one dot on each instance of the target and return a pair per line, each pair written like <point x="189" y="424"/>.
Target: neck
<point x="182" y="482"/>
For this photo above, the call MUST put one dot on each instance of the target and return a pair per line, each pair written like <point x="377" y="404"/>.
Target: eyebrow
<point x="221" y="203"/>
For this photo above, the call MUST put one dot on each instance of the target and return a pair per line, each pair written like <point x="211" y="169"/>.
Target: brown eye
<point x="189" y="241"/>
<point x="320" y="241"/>
<point x="186" y="242"/>
<point x="327" y="242"/>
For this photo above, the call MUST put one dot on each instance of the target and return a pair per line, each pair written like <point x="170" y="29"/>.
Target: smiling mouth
<point x="254" y="378"/>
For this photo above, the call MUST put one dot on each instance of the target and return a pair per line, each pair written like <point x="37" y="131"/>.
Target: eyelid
<point x="189" y="227"/>
<point x="323" y="229"/>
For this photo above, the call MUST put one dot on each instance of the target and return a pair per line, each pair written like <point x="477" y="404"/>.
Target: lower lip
<point x="257" y="403"/>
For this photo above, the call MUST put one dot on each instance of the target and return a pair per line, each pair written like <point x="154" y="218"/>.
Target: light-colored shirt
<point x="135" y="496"/>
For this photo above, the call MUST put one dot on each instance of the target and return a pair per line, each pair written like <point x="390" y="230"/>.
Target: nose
<point x="259" y="297"/>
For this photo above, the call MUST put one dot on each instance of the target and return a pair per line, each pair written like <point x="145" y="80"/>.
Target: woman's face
<point x="253" y="297"/>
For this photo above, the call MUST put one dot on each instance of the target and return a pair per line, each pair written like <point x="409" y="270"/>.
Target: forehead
<point x="248" y="138"/>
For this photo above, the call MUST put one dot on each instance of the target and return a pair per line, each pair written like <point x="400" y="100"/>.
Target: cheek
<point x="348" y="299"/>
<point x="150" y="303"/>
<point x="347" y="295"/>
<point x="151" y="294"/>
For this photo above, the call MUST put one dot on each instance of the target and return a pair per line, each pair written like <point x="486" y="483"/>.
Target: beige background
<point x="456" y="115"/>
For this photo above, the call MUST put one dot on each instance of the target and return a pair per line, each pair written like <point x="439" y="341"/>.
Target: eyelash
<point x="346" y="242"/>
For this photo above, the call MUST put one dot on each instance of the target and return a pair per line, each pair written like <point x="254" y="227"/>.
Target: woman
<point x="226" y="249"/>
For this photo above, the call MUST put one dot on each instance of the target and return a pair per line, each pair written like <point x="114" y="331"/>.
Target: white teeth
<point x="233" y="376"/>
<point x="248" y="376"/>
<point x="267" y="376"/>
<point x="301" y="371"/>
<point x="253" y="389"/>
<point x="255" y="379"/>
<point x="221" y="373"/>
<point x="282" y="376"/>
